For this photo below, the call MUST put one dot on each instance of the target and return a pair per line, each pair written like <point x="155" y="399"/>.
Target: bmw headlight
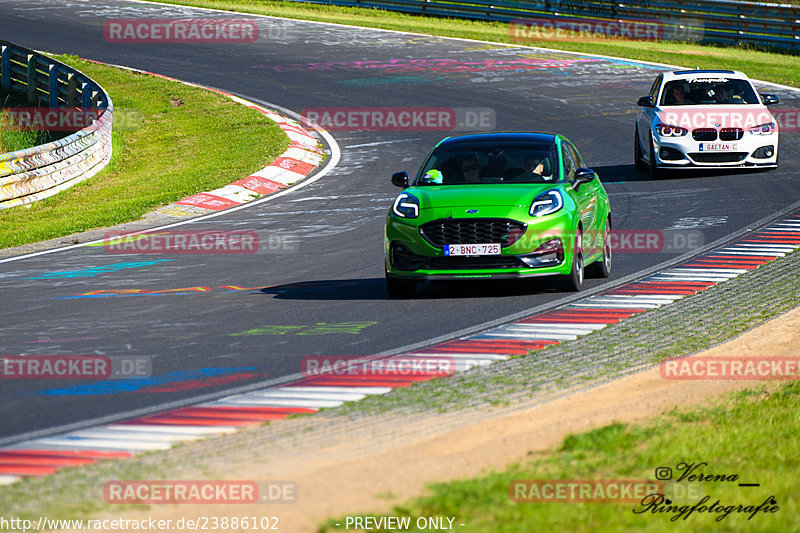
<point x="406" y="206"/>
<point x="666" y="130"/>
<point x="762" y="129"/>
<point x="546" y="203"/>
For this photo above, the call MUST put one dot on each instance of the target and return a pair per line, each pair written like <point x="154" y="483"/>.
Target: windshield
<point x="478" y="163"/>
<point x="705" y="91"/>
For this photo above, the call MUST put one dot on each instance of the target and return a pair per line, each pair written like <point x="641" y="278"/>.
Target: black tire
<point x="637" y="152"/>
<point x="602" y="268"/>
<point x="655" y="173"/>
<point x="400" y="288"/>
<point x="573" y="282"/>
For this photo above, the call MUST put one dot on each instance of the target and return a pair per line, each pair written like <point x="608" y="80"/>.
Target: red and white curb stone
<point x="307" y="395"/>
<point x="303" y="156"/>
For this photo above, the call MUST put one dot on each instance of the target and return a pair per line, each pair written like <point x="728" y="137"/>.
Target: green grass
<point x="778" y="67"/>
<point x="169" y="141"/>
<point x="13" y="137"/>
<point x="751" y="434"/>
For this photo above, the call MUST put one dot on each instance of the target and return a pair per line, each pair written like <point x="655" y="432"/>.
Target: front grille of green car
<point x="472" y="231"/>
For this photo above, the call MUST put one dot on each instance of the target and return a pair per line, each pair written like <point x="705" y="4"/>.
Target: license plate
<point x="718" y="147"/>
<point x="472" y="249"/>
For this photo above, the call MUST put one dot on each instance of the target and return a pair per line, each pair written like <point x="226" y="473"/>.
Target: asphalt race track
<point x="325" y="294"/>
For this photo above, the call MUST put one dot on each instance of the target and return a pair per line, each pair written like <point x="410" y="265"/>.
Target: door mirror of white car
<point x="400" y="179"/>
<point x="769" y="99"/>
<point x="645" y="101"/>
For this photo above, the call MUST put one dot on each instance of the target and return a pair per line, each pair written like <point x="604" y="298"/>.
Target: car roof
<point x="687" y="74"/>
<point x="506" y="136"/>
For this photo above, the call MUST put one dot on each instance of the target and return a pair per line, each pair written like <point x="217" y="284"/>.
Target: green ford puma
<point x="498" y="205"/>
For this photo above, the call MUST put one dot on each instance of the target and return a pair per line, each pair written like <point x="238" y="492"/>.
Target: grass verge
<point x="12" y="136"/>
<point x="166" y="146"/>
<point x="777" y="67"/>
<point x="750" y="434"/>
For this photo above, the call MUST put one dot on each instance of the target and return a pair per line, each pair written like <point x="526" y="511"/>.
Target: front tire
<point x="573" y="282"/>
<point x="637" y="152"/>
<point x="400" y="288"/>
<point x="655" y="173"/>
<point x="602" y="268"/>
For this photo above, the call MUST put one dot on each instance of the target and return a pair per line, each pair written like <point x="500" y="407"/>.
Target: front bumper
<point x="409" y="255"/>
<point x="686" y="152"/>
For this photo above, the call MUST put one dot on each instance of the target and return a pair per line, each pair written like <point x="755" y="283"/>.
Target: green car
<point x="498" y="205"/>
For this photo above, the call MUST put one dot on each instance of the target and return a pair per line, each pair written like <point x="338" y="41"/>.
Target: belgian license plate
<point x="472" y="249"/>
<point x="718" y="147"/>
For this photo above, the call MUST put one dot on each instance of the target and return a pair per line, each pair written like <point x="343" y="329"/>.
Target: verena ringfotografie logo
<point x="190" y="242"/>
<point x="74" y="367"/>
<point x="739" y="368"/>
<point x="400" y="118"/>
<point x="582" y="490"/>
<point x="342" y="365"/>
<point x="180" y="31"/>
<point x="583" y="28"/>
<point x="199" y="492"/>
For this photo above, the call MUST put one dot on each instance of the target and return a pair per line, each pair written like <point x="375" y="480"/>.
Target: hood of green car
<point x="480" y="195"/>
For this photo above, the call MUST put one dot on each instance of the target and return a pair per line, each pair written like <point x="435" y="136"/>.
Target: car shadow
<point x="330" y="289"/>
<point x="375" y="289"/>
<point x="617" y="173"/>
<point x="626" y="173"/>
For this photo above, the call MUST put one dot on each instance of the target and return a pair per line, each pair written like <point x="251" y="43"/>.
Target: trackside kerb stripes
<point x="303" y="156"/>
<point x="46" y="455"/>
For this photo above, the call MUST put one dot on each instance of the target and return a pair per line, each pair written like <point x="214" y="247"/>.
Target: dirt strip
<point x="370" y="464"/>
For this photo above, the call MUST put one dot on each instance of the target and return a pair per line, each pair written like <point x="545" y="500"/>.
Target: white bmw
<point x="705" y="118"/>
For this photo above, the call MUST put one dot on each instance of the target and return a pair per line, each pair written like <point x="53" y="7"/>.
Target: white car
<point x="705" y="118"/>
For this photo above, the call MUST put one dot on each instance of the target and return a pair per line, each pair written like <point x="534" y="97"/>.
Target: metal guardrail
<point x="42" y="171"/>
<point x="712" y="21"/>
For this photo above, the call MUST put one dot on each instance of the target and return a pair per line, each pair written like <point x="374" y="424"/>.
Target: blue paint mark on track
<point x="95" y="271"/>
<point x="135" y="384"/>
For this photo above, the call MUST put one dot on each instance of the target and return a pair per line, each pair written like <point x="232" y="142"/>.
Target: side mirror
<point x="769" y="99"/>
<point x="646" y="101"/>
<point x="583" y="175"/>
<point x="400" y="179"/>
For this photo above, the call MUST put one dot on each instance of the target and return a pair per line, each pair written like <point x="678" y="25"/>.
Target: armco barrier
<point x="717" y="21"/>
<point x="35" y="173"/>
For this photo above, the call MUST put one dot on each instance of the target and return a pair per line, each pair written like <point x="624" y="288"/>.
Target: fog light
<point x="765" y="152"/>
<point x="669" y="154"/>
<point x="548" y="254"/>
<point x="404" y="259"/>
